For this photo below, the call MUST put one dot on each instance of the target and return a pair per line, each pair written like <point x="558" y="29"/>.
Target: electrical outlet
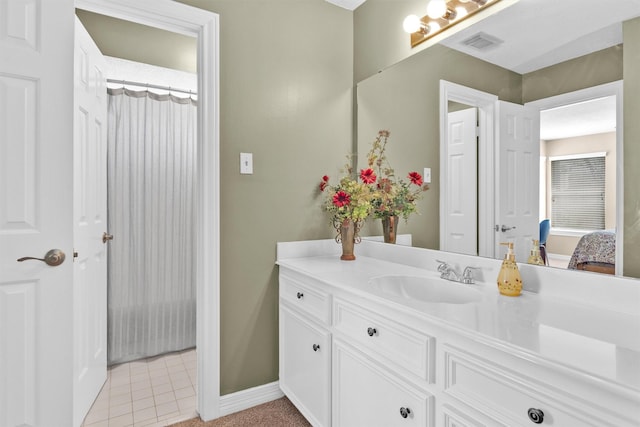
<point x="426" y="176"/>
<point x="246" y="163"/>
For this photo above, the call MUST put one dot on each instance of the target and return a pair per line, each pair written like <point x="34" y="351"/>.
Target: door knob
<point x="106" y="237"/>
<point x="53" y="258"/>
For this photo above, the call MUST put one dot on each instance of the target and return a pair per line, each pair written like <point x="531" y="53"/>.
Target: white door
<point x="90" y="222"/>
<point x="36" y="211"/>
<point x="517" y="178"/>
<point x="460" y="231"/>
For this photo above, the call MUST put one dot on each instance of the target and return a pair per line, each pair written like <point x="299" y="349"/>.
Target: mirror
<point x="404" y="99"/>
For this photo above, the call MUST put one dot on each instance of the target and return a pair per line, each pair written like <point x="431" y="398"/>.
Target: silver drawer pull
<point x="300" y="295"/>
<point x="316" y="347"/>
<point x="372" y="331"/>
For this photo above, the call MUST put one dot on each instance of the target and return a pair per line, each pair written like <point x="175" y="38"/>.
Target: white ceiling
<point x="347" y="4"/>
<point x="584" y="118"/>
<point x="540" y="33"/>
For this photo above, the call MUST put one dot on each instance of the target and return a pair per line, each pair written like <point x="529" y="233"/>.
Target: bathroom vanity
<point x="384" y="341"/>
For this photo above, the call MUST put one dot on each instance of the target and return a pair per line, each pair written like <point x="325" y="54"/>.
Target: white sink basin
<point x="425" y="289"/>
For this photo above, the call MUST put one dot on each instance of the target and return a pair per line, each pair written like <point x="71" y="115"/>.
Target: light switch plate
<point x="246" y="163"/>
<point x="426" y="177"/>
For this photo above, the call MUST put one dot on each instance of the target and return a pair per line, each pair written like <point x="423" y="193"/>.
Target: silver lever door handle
<point x="53" y="258"/>
<point x="505" y="228"/>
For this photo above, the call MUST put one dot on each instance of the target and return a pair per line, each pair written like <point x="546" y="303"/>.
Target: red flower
<point x="324" y="182"/>
<point x="341" y="199"/>
<point x="368" y="176"/>
<point x="415" y="178"/>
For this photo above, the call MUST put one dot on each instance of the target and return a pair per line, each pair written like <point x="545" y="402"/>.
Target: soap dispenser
<point x="509" y="280"/>
<point x="534" y="257"/>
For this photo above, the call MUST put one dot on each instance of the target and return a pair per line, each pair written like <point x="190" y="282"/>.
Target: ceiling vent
<point x="482" y="41"/>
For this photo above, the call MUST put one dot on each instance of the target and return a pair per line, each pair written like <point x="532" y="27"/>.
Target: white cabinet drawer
<point x="366" y="394"/>
<point x="310" y="300"/>
<point x="305" y="366"/>
<point x="405" y="347"/>
<point x="507" y="396"/>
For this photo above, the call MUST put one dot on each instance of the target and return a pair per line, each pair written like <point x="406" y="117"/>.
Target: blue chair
<point x="545" y="226"/>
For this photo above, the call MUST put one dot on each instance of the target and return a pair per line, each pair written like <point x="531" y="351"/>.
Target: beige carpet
<point x="277" y="413"/>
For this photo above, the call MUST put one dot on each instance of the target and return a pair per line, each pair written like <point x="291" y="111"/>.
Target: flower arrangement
<point x="350" y="203"/>
<point x="349" y="199"/>
<point x="394" y="197"/>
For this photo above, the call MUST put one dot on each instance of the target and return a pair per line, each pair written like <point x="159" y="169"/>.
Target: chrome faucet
<point x="448" y="273"/>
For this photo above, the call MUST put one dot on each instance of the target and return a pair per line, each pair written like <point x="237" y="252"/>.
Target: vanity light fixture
<point x="441" y="14"/>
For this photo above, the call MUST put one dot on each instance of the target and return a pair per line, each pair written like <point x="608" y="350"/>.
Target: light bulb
<point x="434" y="27"/>
<point x="411" y="24"/>
<point x="461" y="12"/>
<point x="436" y="8"/>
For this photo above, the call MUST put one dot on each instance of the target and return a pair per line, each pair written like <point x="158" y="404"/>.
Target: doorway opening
<point x="577" y="127"/>
<point x="202" y="25"/>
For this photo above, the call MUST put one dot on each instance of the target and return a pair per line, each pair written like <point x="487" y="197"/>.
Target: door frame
<point x="485" y="103"/>
<point x="600" y="91"/>
<point x="203" y="25"/>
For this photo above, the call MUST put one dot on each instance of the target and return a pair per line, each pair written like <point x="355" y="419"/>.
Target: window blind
<point x="577" y="193"/>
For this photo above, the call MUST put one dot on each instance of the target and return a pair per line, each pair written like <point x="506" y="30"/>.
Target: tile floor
<point x="153" y="392"/>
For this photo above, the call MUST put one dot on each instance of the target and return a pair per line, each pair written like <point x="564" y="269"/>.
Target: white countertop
<point x="601" y="342"/>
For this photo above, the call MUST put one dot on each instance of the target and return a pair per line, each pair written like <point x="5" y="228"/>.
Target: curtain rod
<point x="152" y="86"/>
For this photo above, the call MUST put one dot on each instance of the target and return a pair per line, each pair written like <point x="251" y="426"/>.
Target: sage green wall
<point x="286" y="95"/>
<point x="286" y="75"/>
<point x="598" y="68"/>
<point x="631" y="32"/>
<point x="140" y="43"/>
<point x="404" y="99"/>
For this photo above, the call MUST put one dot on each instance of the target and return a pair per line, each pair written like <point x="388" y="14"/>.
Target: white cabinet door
<point x="90" y="222"/>
<point x="305" y="366"/>
<point x="36" y="211"/>
<point x="366" y="394"/>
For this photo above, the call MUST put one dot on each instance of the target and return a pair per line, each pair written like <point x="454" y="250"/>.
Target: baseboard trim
<point x="245" y="399"/>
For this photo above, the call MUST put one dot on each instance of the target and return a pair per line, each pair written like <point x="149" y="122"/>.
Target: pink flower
<point x="368" y="176"/>
<point x="341" y="199"/>
<point x="415" y="178"/>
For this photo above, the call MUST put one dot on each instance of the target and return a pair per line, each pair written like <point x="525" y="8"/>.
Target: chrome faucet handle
<point x="467" y="275"/>
<point x="443" y="267"/>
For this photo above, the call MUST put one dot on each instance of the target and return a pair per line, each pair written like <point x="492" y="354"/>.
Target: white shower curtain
<point x="151" y="208"/>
